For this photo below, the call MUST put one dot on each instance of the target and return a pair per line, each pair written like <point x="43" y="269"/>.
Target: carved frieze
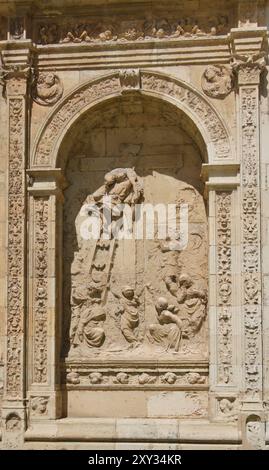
<point x="249" y="71"/>
<point x="140" y="377"/>
<point x="249" y="67"/>
<point x="112" y="30"/>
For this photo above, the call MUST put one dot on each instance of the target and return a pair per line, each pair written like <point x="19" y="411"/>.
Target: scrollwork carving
<point x="16" y="216"/>
<point x="249" y="70"/>
<point x="41" y="218"/>
<point x="16" y="28"/>
<point x="111" y="85"/>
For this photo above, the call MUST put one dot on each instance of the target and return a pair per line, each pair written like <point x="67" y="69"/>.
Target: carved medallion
<point x="47" y="89"/>
<point x="217" y="81"/>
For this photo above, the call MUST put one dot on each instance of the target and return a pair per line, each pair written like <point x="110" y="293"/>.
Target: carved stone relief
<point x="16" y="28"/>
<point x="150" y="82"/>
<point x="251" y="232"/>
<point x="15" y="249"/>
<point x="224" y="286"/>
<point x="255" y="432"/>
<point x="118" y="308"/>
<point x="146" y="29"/>
<point x="40" y="294"/>
<point x="217" y="81"/>
<point x="47" y="89"/>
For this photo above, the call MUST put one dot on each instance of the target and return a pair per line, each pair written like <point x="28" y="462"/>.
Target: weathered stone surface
<point x="145" y="342"/>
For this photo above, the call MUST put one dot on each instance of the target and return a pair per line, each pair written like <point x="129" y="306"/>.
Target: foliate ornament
<point x="150" y="81"/>
<point x="217" y="81"/>
<point x="224" y="285"/>
<point x="198" y="105"/>
<point x="96" y="30"/>
<point x="15" y="299"/>
<point x="129" y="79"/>
<point x="249" y="67"/>
<point x="41" y="209"/>
<point x="47" y="89"/>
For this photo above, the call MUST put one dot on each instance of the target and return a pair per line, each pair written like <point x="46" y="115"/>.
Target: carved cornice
<point x="221" y="176"/>
<point x="44" y="182"/>
<point x="249" y="58"/>
<point x="249" y="68"/>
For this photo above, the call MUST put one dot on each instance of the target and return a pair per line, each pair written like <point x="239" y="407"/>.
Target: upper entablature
<point x="120" y="21"/>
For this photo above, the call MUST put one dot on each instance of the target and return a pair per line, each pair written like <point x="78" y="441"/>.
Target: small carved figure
<point x="122" y="185"/>
<point x="47" y="89"/>
<point x="217" y="81"/>
<point x="128" y="310"/>
<point x="89" y="329"/>
<point x="16" y="28"/>
<point x="167" y="332"/>
<point x="48" y="34"/>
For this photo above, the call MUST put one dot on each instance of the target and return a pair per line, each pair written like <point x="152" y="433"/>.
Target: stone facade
<point x="126" y="343"/>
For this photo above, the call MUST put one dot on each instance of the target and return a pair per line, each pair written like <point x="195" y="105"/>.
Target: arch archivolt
<point x="206" y="119"/>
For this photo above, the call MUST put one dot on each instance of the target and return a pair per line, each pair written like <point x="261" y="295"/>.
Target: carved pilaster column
<point x="222" y="192"/>
<point x="13" y="416"/>
<point x="45" y="227"/>
<point x="249" y="70"/>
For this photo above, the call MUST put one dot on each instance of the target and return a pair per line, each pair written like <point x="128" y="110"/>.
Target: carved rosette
<point x="40" y="362"/>
<point x="224" y="286"/>
<point x="16" y="208"/>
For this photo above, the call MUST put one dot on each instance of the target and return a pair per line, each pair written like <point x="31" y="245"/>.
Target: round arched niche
<point x="163" y="316"/>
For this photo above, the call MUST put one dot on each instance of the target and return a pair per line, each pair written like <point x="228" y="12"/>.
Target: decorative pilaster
<point x="222" y="191"/>
<point x="13" y="416"/>
<point x="45" y="213"/>
<point x="248" y="68"/>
